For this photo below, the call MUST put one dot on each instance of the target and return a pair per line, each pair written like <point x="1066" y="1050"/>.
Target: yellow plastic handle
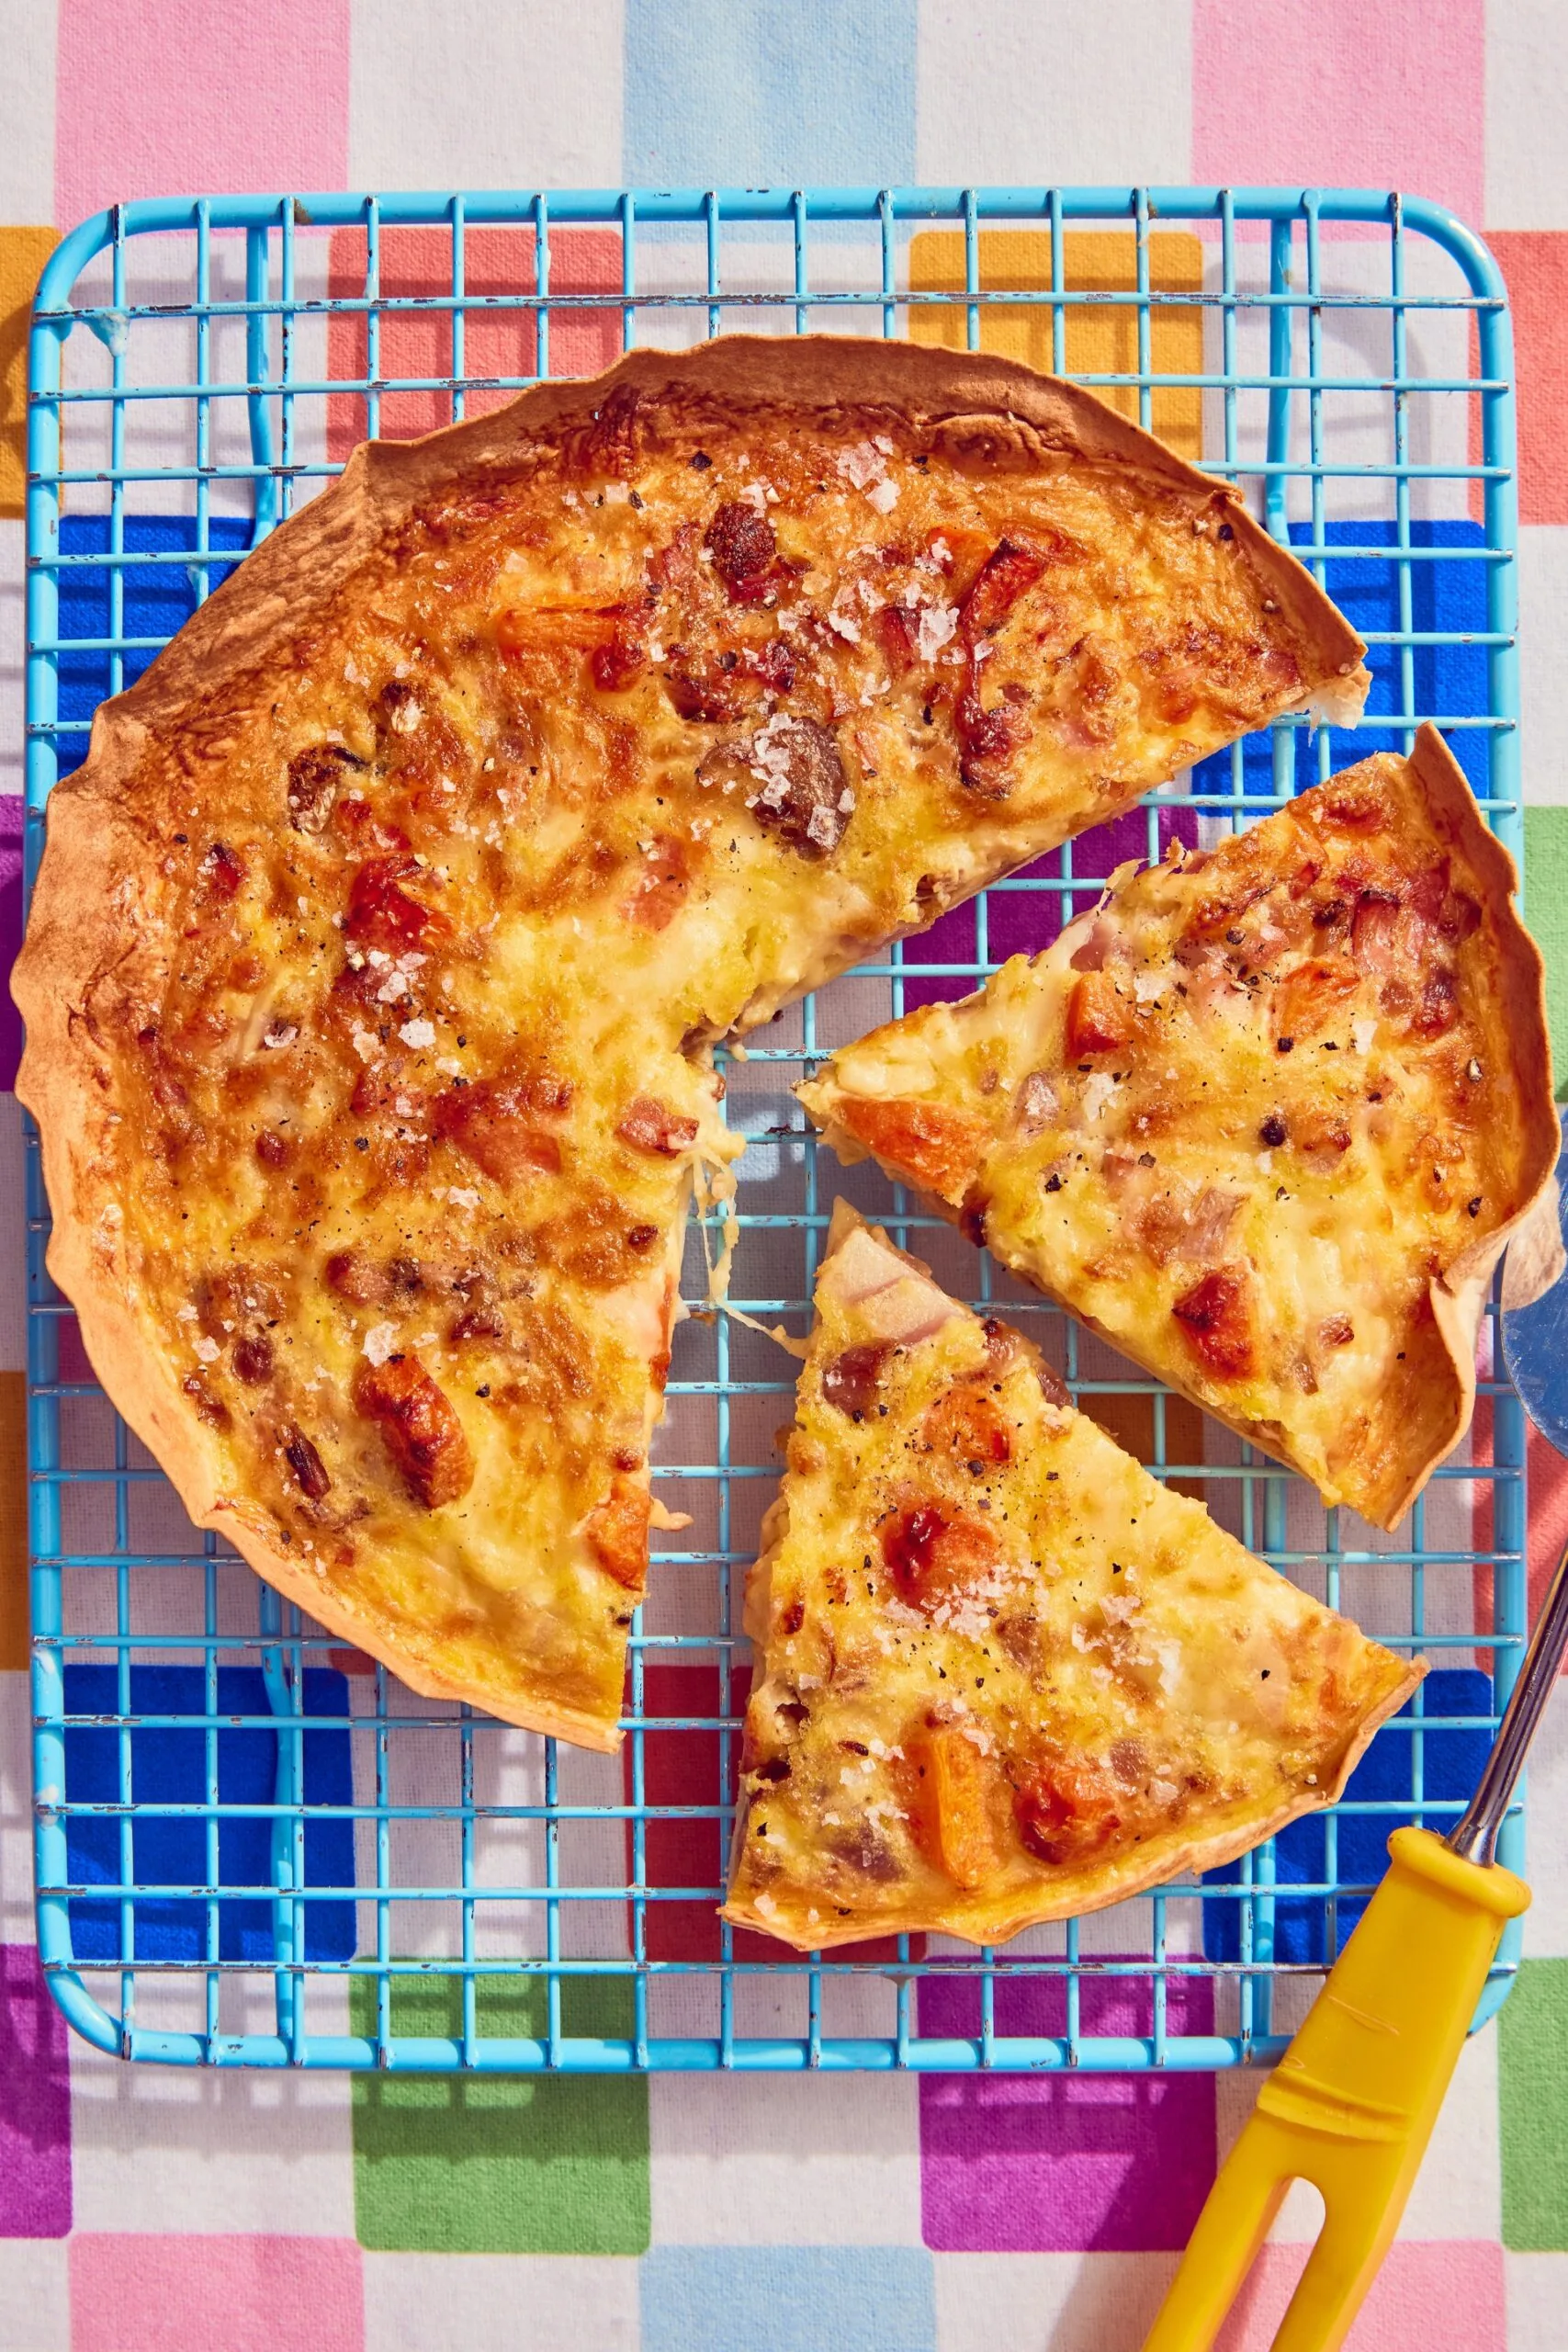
<point x="1351" y="2105"/>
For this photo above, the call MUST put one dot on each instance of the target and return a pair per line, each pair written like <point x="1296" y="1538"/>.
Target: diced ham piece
<point x="675" y="564"/>
<point x="1439" y="1009"/>
<point x="1090" y="954"/>
<point x="648" y="1124"/>
<point x="898" y="634"/>
<point x="354" y="1274"/>
<point x="221" y="871"/>
<point x="851" y="1382"/>
<point x="1386" y="936"/>
<point x="1175" y="1225"/>
<point x="704" y="691"/>
<point x="986" y="741"/>
<point x="1405" y="942"/>
<point x="621" y="660"/>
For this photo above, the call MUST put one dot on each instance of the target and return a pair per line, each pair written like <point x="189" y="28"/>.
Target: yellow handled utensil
<point x="1351" y="2105"/>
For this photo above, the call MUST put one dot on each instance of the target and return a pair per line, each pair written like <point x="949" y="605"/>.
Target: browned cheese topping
<point x="1243" y="1116"/>
<point x="593" y="761"/>
<point x="1005" y="1674"/>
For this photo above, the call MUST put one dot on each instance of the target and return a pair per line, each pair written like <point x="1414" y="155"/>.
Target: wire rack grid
<point x="254" y="1849"/>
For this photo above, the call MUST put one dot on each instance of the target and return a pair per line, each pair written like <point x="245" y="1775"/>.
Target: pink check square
<point x="1447" y="2297"/>
<point x="143" y="2293"/>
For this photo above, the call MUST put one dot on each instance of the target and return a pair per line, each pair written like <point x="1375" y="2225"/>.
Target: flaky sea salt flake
<point x="380" y="1341"/>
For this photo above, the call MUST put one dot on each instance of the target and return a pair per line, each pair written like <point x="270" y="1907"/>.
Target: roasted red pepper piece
<point x="1099" y="1020"/>
<point x="1215" y="1316"/>
<point x="381" y="913"/>
<point x="937" y="1555"/>
<point x="420" y="1424"/>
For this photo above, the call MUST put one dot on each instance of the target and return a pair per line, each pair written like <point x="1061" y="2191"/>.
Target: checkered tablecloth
<point x="143" y="2210"/>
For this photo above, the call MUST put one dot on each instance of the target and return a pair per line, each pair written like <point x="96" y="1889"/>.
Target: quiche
<point x="1005" y="1676"/>
<point x="381" y="945"/>
<point x="1266" y="1118"/>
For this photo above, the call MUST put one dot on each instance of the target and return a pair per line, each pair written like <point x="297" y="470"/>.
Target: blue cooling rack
<point x="251" y="1849"/>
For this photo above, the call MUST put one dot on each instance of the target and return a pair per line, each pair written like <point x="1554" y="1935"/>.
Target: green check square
<point x="1532" y="2051"/>
<point x="500" y="2164"/>
<point x="1546" y="916"/>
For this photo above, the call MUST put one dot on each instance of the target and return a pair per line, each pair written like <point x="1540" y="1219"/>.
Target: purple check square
<point x="35" y="2103"/>
<point x="1022" y="922"/>
<point x="1072" y="2162"/>
<point x="12" y="819"/>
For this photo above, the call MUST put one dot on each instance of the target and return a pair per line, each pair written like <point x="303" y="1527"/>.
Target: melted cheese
<point x="585" y="769"/>
<point x="1137" y="1694"/>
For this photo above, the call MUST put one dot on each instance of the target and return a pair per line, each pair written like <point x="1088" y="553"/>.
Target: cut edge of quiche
<point x="1003" y="1675"/>
<point x="94" y="920"/>
<point x="1260" y="1224"/>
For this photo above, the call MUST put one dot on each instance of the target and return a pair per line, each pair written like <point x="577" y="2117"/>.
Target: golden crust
<point x="100" y="851"/>
<point x="1415" y="1417"/>
<point x="1520" y="1034"/>
<point x="980" y="1923"/>
<point x="829" y="1506"/>
<point x="256" y="609"/>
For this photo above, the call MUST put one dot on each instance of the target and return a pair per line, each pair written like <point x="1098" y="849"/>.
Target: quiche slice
<point x="1266" y="1118"/>
<point x="379" y="946"/>
<point x="1004" y="1675"/>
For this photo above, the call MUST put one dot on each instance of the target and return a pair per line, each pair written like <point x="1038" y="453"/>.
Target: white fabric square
<point x="1527" y="101"/>
<point x="16" y="1819"/>
<point x="1536" y="2299"/>
<point x="205" y="2149"/>
<point x="35" y="2296"/>
<point x="456" y="93"/>
<point x="1097" y="91"/>
<point x="1047" y="2303"/>
<point x="785" y="2160"/>
<point x="509" y="2302"/>
<point x="1543" y="605"/>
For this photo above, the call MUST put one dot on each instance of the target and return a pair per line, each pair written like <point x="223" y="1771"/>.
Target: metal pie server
<point x="1352" y="2103"/>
